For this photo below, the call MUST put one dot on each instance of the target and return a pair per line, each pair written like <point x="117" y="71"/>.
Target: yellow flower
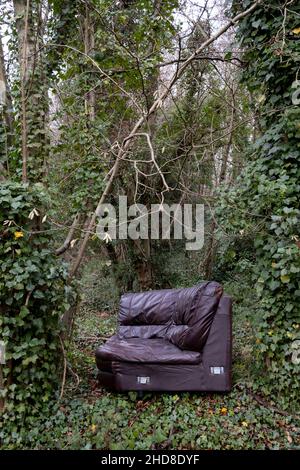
<point x="245" y="424"/>
<point x="19" y="235"/>
<point x="224" y="410"/>
<point x="296" y="30"/>
<point x="93" y="427"/>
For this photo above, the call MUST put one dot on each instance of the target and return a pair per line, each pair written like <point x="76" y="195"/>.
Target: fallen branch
<point x="155" y="106"/>
<point x="268" y="405"/>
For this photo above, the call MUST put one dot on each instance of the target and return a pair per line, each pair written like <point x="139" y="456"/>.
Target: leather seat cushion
<point x="143" y="350"/>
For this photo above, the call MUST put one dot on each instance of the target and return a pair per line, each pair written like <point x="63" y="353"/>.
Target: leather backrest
<point x="182" y="316"/>
<point x="156" y="307"/>
<point x="196" y="308"/>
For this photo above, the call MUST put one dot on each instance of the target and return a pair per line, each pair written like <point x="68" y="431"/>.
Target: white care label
<point x="217" y="370"/>
<point x="143" y="380"/>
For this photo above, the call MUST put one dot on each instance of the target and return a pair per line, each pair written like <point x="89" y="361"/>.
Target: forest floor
<point x="89" y="417"/>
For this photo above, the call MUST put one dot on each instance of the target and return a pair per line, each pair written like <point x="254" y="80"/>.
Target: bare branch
<point x="155" y="106"/>
<point x="64" y="247"/>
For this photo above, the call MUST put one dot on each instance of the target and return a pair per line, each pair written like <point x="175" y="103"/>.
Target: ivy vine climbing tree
<point x="34" y="290"/>
<point x="265" y="203"/>
<point x="33" y="297"/>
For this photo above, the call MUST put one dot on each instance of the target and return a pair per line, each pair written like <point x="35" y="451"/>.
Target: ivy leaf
<point x="256" y="23"/>
<point x="274" y="285"/>
<point x="24" y="311"/>
<point x="16" y="204"/>
<point x="30" y="359"/>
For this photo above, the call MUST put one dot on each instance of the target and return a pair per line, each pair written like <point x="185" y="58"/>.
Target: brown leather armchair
<point x="171" y="339"/>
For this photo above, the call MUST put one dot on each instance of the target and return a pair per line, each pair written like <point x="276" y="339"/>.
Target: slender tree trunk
<point x="22" y="11"/>
<point x="2" y="402"/>
<point x="227" y="150"/>
<point x="34" y="92"/>
<point x="2" y="399"/>
<point x="8" y="119"/>
<point x="6" y="94"/>
<point x="89" y="45"/>
<point x="211" y="246"/>
<point x="142" y="263"/>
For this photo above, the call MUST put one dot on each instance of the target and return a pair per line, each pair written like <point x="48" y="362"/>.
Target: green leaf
<point x="24" y="311"/>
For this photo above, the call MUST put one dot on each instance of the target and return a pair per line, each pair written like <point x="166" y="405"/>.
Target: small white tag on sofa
<point x="143" y="380"/>
<point x="217" y="370"/>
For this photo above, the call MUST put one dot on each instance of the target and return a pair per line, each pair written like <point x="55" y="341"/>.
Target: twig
<point x="91" y="338"/>
<point x="74" y="374"/>
<point x="65" y="369"/>
<point x="69" y="237"/>
<point x="266" y="404"/>
<point x="153" y="160"/>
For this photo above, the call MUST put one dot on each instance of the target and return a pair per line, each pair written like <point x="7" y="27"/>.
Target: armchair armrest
<point x="216" y="358"/>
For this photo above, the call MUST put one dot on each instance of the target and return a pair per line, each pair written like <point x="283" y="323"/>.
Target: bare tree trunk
<point x="89" y="45"/>
<point x="2" y="402"/>
<point x="227" y="150"/>
<point x="68" y="321"/>
<point x="211" y="246"/>
<point x="5" y="92"/>
<point x="2" y="399"/>
<point x="6" y="102"/>
<point x="143" y="264"/>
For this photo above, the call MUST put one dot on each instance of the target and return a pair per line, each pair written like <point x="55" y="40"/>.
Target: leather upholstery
<point x="144" y="350"/>
<point x="182" y="316"/>
<point x="173" y="337"/>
